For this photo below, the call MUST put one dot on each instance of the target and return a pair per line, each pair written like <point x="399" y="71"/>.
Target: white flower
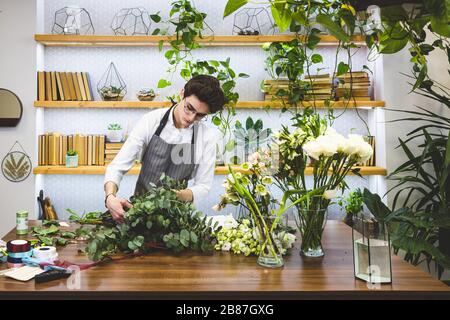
<point x="321" y="146"/>
<point x="230" y="222"/>
<point x="245" y="166"/>
<point x="362" y="149"/>
<point x="330" y="194"/>
<point x="226" y="246"/>
<point x="288" y="240"/>
<point x="261" y="189"/>
<point x="267" y="180"/>
<point x="254" y="158"/>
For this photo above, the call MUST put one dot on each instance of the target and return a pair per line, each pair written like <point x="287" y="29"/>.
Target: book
<point x="71" y="86"/>
<point x="48" y="86"/>
<point x="89" y="150"/>
<point x="54" y="86"/>
<point x="81" y="86"/>
<point x="76" y="85"/>
<point x="41" y="85"/>
<point x="65" y="85"/>
<point x="101" y="150"/>
<point x="114" y="145"/>
<point x="59" y="86"/>
<point x="87" y="86"/>
<point x="64" y="149"/>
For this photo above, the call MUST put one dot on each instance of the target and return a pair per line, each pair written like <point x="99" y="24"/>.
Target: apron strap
<point x="163" y="122"/>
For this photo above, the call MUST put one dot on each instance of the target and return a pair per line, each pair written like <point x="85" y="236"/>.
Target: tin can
<point x="22" y="222"/>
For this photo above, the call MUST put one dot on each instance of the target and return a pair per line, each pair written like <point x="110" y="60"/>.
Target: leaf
<point x="316" y="58"/>
<point x="162" y="83"/>
<point x="342" y="68"/>
<point x="249" y="123"/>
<point x="230" y="145"/>
<point x="232" y="6"/>
<point x="334" y="28"/>
<point x="281" y="15"/>
<point x="155" y="17"/>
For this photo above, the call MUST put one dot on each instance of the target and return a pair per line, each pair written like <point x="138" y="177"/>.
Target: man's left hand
<point x="185" y="195"/>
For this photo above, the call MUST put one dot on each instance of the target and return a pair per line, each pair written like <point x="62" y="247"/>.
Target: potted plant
<point x="352" y="204"/>
<point x="72" y="159"/>
<point x="114" y="132"/>
<point x="146" y="94"/>
<point x="112" y="93"/>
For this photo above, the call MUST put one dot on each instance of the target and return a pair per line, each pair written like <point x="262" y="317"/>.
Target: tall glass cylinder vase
<point x="311" y="223"/>
<point x="269" y="255"/>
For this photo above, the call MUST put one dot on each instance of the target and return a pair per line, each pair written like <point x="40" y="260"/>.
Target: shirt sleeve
<point x="204" y="175"/>
<point x="130" y="151"/>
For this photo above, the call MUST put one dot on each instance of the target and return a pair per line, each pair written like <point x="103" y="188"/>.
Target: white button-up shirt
<point x="140" y="136"/>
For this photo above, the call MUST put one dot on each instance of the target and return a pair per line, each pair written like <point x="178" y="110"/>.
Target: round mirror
<point x="10" y="108"/>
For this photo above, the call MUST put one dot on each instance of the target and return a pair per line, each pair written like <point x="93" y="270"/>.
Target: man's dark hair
<point x="207" y="89"/>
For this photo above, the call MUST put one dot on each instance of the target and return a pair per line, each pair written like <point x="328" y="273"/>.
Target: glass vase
<point x="311" y="223"/>
<point x="269" y="254"/>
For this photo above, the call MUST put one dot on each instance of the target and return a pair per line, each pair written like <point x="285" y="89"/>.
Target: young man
<point x="174" y="141"/>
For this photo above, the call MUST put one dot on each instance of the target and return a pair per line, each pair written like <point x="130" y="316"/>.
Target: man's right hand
<point x="116" y="207"/>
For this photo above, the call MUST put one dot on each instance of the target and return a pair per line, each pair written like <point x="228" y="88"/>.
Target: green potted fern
<point x="72" y="159"/>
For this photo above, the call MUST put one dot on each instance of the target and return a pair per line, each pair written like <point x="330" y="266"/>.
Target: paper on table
<point x="23" y="273"/>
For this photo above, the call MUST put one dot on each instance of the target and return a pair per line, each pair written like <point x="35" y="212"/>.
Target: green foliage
<point x="157" y="219"/>
<point x="252" y="137"/>
<point x="114" y="126"/>
<point x="72" y="153"/>
<point x="352" y="204"/>
<point x="50" y="234"/>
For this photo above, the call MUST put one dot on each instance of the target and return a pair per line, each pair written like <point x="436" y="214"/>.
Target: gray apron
<point x="175" y="160"/>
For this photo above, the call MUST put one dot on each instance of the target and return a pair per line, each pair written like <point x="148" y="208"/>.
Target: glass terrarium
<point x="371" y="250"/>
<point x="131" y="21"/>
<point x="111" y="86"/>
<point x="253" y="22"/>
<point x="73" y="20"/>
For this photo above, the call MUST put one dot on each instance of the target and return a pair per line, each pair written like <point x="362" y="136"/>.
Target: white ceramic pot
<point x="114" y="135"/>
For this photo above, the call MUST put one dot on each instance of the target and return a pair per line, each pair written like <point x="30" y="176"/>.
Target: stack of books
<point x="271" y="87"/>
<point x="320" y="87"/>
<point x="53" y="147"/>
<point x="370" y="140"/>
<point x="353" y="86"/>
<point x="111" y="150"/>
<point x="64" y="86"/>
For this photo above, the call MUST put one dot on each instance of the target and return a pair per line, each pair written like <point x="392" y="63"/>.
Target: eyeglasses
<point x="190" y="110"/>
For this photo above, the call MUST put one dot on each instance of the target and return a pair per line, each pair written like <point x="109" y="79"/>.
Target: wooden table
<point x="224" y="275"/>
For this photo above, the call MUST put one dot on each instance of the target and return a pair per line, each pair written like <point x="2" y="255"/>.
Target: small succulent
<point x="114" y="126"/>
<point x="72" y="153"/>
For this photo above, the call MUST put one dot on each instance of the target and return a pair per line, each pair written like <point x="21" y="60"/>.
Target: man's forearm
<point x="110" y="188"/>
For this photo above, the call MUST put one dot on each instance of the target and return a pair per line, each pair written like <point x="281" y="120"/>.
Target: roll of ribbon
<point x="18" y="246"/>
<point x="45" y="253"/>
<point x="13" y="260"/>
<point x="14" y="265"/>
<point x="20" y="254"/>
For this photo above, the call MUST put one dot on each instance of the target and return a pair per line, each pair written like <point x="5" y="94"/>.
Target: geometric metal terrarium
<point x="131" y="21"/>
<point x="111" y="86"/>
<point x="253" y="21"/>
<point x="72" y="20"/>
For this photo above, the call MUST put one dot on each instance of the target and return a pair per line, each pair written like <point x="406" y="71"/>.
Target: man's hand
<point x="185" y="195"/>
<point x="115" y="206"/>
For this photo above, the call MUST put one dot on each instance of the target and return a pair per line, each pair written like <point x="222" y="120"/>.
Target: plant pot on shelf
<point x="114" y="135"/>
<point x="72" y="161"/>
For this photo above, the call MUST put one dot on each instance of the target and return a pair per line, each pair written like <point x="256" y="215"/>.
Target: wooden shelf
<point x="133" y="41"/>
<point x="163" y="104"/>
<point x="220" y="170"/>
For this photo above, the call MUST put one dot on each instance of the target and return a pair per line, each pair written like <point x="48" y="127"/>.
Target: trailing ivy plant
<point x="295" y="59"/>
<point x="157" y="220"/>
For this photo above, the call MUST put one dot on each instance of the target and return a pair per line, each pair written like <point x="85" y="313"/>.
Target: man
<point x="174" y="141"/>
